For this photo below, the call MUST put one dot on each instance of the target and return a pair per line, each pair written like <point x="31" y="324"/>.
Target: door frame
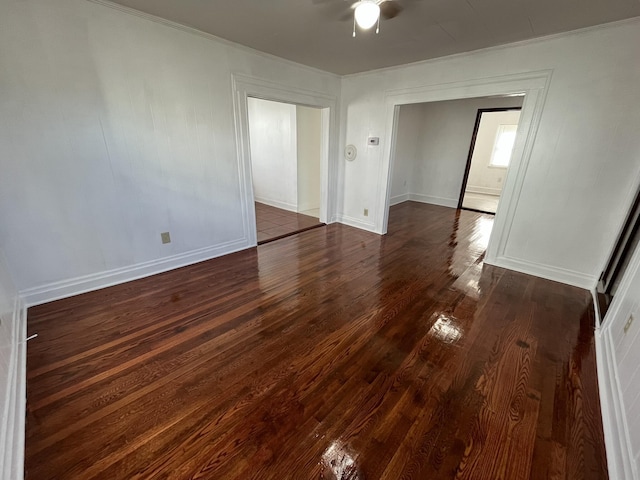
<point x="472" y="147"/>
<point x="534" y="85"/>
<point x="245" y="86"/>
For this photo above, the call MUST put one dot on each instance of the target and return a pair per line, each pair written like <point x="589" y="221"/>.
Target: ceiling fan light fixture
<point x="367" y="14"/>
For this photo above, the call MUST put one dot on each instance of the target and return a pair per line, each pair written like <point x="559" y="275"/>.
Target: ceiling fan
<point x="367" y="13"/>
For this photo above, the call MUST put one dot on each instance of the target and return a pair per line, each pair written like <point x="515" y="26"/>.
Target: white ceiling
<point x="313" y="33"/>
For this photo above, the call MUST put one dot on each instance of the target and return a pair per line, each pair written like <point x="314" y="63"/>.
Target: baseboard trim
<point x="87" y="283"/>
<point x="12" y="431"/>
<point x="614" y="422"/>
<point x="290" y="207"/>
<point x="398" y="199"/>
<point x="355" y="222"/>
<point x="430" y="199"/>
<point x="555" y="274"/>
<point x="307" y="207"/>
<point x="443" y="202"/>
<point x="484" y="190"/>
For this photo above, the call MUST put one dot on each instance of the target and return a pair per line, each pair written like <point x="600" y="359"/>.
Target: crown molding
<point x="529" y="41"/>
<point x="208" y="36"/>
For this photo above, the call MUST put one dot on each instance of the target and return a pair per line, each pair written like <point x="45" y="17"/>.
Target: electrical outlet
<point x="166" y="238"/>
<point x="366" y="212"/>
<point x="627" y="325"/>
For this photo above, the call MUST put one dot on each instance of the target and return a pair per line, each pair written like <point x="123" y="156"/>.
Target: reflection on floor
<point x="481" y="201"/>
<point x="337" y="353"/>
<point x="274" y="223"/>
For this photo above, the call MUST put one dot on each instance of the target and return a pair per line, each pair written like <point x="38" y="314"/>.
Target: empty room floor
<point x="335" y="353"/>
<point x="481" y="201"/>
<point x="274" y="223"/>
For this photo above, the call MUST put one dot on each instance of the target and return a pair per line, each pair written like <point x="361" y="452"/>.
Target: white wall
<point x="483" y="177"/>
<point x="411" y="126"/>
<point x="432" y="147"/>
<point x="12" y="376"/>
<point x="113" y="129"/>
<point x="273" y="138"/>
<point x="309" y="141"/>
<point x="583" y="158"/>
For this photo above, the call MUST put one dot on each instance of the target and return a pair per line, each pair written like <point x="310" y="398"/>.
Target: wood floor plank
<point x="334" y="353"/>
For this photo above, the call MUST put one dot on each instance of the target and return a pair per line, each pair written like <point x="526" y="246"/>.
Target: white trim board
<point x="12" y="430"/>
<point x="620" y="454"/>
<point x="483" y="190"/>
<point x="534" y="85"/>
<point x="87" y="283"/>
<point x="245" y="86"/>
<point x="430" y="199"/>
<point x="614" y="422"/>
<point x="398" y="199"/>
<point x="355" y="222"/>
<point x="556" y="274"/>
<point x="290" y="207"/>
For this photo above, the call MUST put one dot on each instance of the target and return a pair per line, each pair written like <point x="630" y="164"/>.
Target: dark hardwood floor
<point x="275" y="223"/>
<point x="334" y="353"/>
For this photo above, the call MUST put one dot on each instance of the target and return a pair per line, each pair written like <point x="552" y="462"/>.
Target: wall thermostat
<point x="350" y="152"/>
<point x="373" y="141"/>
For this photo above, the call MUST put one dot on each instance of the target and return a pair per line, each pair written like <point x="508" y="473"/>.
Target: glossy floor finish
<point x="481" y="201"/>
<point x="334" y="353"/>
<point x="274" y="223"/>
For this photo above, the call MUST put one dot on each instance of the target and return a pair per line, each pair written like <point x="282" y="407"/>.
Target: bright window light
<point x="503" y="146"/>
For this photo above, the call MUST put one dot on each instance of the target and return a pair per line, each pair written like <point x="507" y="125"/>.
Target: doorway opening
<point x="531" y="86"/>
<point x="285" y="142"/>
<point x="489" y="157"/>
<point x="432" y="160"/>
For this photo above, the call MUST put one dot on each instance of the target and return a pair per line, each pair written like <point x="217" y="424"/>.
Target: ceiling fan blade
<point x="340" y="10"/>
<point x="390" y="9"/>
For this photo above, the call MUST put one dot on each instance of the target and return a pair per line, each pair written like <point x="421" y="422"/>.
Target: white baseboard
<point x="399" y="199"/>
<point x="87" y="283"/>
<point x="355" y="222"/>
<point x="309" y="206"/>
<point x="290" y="207"/>
<point x="614" y="421"/>
<point x="12" y="430"/>
<point x="417" y="197"/>
<point x="444" y="202"/>
<point x="483" y="190"/>
<point x="556" y="274"/>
